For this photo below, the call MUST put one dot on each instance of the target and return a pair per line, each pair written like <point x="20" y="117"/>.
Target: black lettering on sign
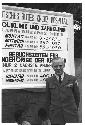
<point x="39" y="60"/>
<point x="36" y="27"/>
<point x="14" y="77"/>
<point x="28" y="17"/>
<point x="6" y="64"/>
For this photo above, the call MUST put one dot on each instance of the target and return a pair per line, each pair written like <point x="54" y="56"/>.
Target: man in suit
<point x="62" y="95"/>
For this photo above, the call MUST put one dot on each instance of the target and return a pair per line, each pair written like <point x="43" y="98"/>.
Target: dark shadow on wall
<point x="27" y="100"/>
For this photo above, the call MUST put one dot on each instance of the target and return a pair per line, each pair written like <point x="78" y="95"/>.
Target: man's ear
<point x="64" y="65"/>
<point x="64" y="60"/>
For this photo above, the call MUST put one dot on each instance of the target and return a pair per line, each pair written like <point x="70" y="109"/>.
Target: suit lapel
<point x="55" y="81"/>
<point x="65" y="80"/>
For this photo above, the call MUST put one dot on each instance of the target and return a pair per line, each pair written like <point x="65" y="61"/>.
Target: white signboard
<point x="30" y="39"/>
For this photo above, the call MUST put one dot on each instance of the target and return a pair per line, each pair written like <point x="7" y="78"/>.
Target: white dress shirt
<point x="62" y="76"/>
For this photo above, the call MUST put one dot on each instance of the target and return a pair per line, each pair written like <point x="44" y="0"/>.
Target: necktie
<point x="60" y="79"/>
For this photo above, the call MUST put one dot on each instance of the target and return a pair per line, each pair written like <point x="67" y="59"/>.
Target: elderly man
<point x="62" y="95"/>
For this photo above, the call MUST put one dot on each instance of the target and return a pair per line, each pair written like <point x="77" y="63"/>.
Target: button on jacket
<point x="63" y="99"/>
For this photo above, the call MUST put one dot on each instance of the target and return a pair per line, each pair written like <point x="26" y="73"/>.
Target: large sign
<point x="30" y="39"/>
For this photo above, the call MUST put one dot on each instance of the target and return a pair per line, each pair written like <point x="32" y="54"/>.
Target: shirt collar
<point x="62" y="76"/>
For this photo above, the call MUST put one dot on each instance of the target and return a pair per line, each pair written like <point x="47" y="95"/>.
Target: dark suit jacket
<point x="62" y="99"/>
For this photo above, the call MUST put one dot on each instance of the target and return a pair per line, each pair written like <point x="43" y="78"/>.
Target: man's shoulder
<point x="70" y="77"/>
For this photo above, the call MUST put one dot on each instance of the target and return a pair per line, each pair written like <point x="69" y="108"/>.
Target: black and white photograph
<point x="41" y="63"/>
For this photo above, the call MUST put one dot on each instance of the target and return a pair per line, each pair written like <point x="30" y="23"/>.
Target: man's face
<point x="58" y="66"/>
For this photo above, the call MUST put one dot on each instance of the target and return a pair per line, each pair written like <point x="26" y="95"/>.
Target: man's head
<point x="58" y="65"/>
<point x="42" y="114"/>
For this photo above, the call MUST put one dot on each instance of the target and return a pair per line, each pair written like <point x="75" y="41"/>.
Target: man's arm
<point x="76" y="93"/>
